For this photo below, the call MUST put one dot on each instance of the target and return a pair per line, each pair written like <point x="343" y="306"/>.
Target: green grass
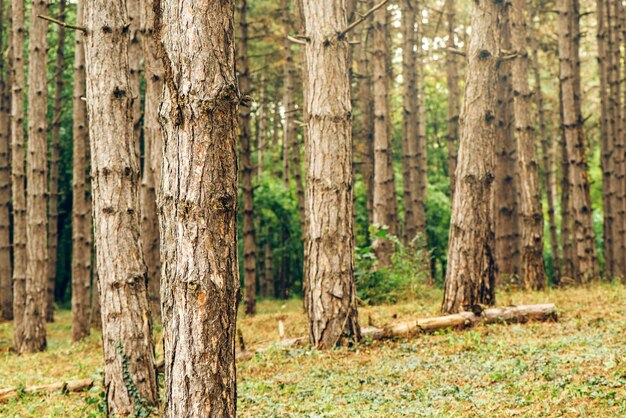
<point x="573" y="368"/>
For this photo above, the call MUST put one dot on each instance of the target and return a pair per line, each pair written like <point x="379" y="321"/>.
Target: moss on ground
<point x="573" y="368"/>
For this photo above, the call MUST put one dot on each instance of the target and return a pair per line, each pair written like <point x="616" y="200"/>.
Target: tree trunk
<point x="329" y="239"/>
<point x="604" y="41"/>
<point x="421" y="160"/>
<point x="34" y="325"/>
<point x="506" y="180"/>
<point x="531" y="219"/>
<point x="81" y="209"/>
<point x="249" y="241"/>
<point x="134" y="63"/>
<point x="129" y="375"/>
<point x="410" y="134"/>
<point x="153" y="149"/>
<point x="471" y="271"/>
<point x="548" y="172"/>
<point x="566" y="210"/>
<point x="53" y="182"/>
<point x="365" y="146"/>
<point x="18" y="171"/>
<point x="96" y="312"/>
<point x="583" y="240"/>
<point x="289" y="103"/>
<point x="385" y="206"/>
<point x="452" y="69"/>
<point x="619" y="143"/>
<point x="6" y="283"/>
<point x="198" y="207"/>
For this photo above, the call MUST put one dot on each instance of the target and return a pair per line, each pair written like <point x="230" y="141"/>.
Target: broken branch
<point x="63" y="24"/>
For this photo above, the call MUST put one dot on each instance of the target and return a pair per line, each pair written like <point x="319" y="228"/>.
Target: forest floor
<point x="573" y="368"/>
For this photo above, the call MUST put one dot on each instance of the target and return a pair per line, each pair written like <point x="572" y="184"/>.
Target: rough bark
<point x="385" y="206"/>
<point x="471" y="271"/>
<point x="53" y="182"/>
<point x="34" y="325"/>
<point x="18" y="170"/>
<point x="153" y="144"/>
<point x="134" y="64"/>
<point x="81" y="208"/>
<point x="452" y="72"/>
<point x="531" y="214"/>
<point x="365" y="145"/>
<point x="410" y="120"/>
<point x="6" y="283"/>
<point x="619" y="143"/>
<point x="198" y="207"/>
<point x="566" y="209"/>
<point x="126" y="322"/>
<point x="420" y="169"/>
<point x="506" y="180"/>
<point x="548" y="172"/>
<point x="583" y="239"/>
<point x="329" y="240"/>
<point x="604" y="42"/>
<point x="249" y="241"/>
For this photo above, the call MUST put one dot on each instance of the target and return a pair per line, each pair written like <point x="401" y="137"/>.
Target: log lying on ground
<point x="508" y="315"/>
<point x="65" y="387"/>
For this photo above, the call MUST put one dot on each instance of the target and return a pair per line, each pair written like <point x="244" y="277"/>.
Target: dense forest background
<point x="277" y="219"/>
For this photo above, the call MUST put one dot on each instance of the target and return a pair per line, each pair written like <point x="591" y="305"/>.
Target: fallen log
<point x="507" y="315"/>
<point x="65" y="387"/>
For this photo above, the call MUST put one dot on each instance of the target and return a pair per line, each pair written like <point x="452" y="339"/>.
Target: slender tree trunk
<point x="365" y="146"/>
<point x="566" y="208"/>
<point x="249" y="241"/>
<point x="289" y="104"/>
<point x="6" y="283"/>
<point x="34" y="325"/>
<point x="619" y="154"/>
<point x="421" y="158"/>
<point x="198" y="207"/>
<point x="153" y="150"/>
<point x="53" y="183"/>
<point x="385" y="206"/>
<point x="452" y="69"/>
<point x="506" y="180"/>
<point x="582" y="234"/>
<point x="81" y="210"/>
<point x="548" y="172"/>
<point x="410" y="134"/>
<point x="531" y="214"/>
<point x="18" y="171"/>
<point x="471" y="271"/>
<point x="604" y="42"/>
<point x="329" y="239"/>
<point x="134" y="62"/>
<point x="270" y="289"/>
<point x="126" y="322"/>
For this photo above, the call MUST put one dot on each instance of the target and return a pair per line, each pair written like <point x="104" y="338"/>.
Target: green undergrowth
<point x="573" y="368"/>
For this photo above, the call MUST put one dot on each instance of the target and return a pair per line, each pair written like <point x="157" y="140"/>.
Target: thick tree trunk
<point x="531" y="214"/>
<point x="249" y="241"/>
<point x="34" y="325"/>
<point x="129" y="375"/>
<point x="329" y="240"/>
<point x="410" y="120"/>
<point x="452" y="70"/>
<point x="18" y="171"/>
<point x="198" y="207"/>
<point x="6" y="282"/>
<point x="385" y="205"/>
<point x="53" y="183"/>
<point x="153" y="156"/>
<point x="583" y="240"/>
<point x="506" y="180"/>
<point x="548" y="172"/>
<point x="81" y="209"/>
<point x="471" y="271"/>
